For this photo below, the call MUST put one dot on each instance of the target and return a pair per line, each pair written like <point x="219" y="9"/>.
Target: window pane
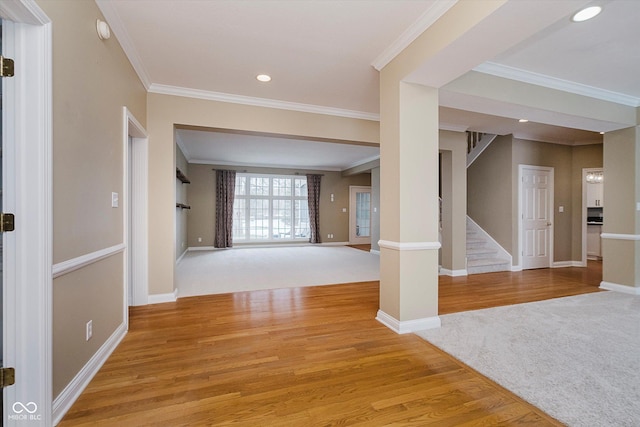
<point x="282" y="219"/>
<point x="258" y="219"/>
<point x="300" y="185"/>
<point x="239" y="219"/>
<point x="241" y="185"/>
<point x="302" y="228"/>
<point x="281" y="186"/>
<point x="259" y="186"/>
<point x="363" y="214"/>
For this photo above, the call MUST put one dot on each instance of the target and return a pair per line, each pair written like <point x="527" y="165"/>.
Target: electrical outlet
<point x="89" y="330"/>
<point x="114" y="200"/>
<point x="199" y="239"/>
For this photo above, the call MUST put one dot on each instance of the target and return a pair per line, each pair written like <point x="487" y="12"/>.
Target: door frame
<point x="585" y="171"/>
<point x="28" y="194"/>
<point x="136" y="224"/>
<point x="551" y="211"/>
<point x="352" y="212"/>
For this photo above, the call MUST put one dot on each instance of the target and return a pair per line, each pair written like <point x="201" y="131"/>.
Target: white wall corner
<point x="631" y="290"/>
<point x="408" y="326"/>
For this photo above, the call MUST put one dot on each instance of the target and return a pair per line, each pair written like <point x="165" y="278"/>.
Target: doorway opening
<point x="359" y="215"/>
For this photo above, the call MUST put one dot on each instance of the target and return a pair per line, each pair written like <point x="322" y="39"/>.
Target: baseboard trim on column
<point x="408" y="246"/>
<point x="453" y="273"/>
<point x="408" y="326"/>
<point x="631" y="290"/>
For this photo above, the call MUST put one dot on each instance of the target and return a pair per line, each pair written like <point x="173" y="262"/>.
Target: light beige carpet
<point x="247" y="269"/>
<point x="576" y="358"/>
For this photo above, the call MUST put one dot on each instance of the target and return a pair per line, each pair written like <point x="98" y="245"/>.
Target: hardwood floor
<point x="307" y="357"/>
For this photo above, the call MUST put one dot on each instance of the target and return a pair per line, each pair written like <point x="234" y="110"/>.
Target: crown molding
<point x="425" y="20"/>
<point x="120" y="31"/>
<point x="525" y="76"/>
<point x="453" y="127"/>
<point x="264" y="165"/>
<point x="362" y="162"/>
<point x="183" y="147"/>
<point x="260" y="102"/>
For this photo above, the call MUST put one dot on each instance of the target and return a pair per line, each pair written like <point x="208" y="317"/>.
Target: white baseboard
<point x="72" y="391"/>
<point x="408" y="326"/>
<point x="516" y="268"/>
<point x="335" y="244"/>
<point x="453" y="273"/>
<point x="563" y="264"/>
<point x="160" y="298"/>
<point x="202" y="248"/>
<point x="182" y="256"/>
<point x="620" y="288"/>
<point x="375" y="252"/>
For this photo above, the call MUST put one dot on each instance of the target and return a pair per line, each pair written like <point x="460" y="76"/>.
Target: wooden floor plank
<point x="309" y="356"/>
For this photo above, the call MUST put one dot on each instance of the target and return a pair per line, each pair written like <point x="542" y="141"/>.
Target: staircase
<point x="484" y="255"/>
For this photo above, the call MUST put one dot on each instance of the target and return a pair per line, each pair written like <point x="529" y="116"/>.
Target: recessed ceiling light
<point x="586" y="13"/>
<point x="601" y="133"/>
<point x="523" y="120"/>
<point x="263" y="77"/>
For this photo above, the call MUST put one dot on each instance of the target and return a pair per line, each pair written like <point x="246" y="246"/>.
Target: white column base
<point x="408" y="326"/>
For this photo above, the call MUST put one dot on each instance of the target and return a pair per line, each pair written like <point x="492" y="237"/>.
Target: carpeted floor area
<point x="576" y="358"/>
<point x="248" y="269"/>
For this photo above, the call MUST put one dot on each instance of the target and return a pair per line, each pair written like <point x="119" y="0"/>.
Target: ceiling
<point x="324" y="55"/>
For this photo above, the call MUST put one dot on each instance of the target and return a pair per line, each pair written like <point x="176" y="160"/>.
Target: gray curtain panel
<point x="225" y="191"/>
<point x="313" y="196"/>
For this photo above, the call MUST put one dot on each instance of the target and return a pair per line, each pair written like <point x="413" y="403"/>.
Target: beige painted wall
<point x="165" y="111"/>
<point x="586" y="156"/>
<point x="201" y="217"/>
<point x="493" y="186"/>
<point x="489" y="191"/>
<point x="559" y="157"/>
<point x="92" y="81"/>
<point x="453" y="180"/>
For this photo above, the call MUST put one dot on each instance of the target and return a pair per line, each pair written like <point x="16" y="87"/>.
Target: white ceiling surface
<point x="222" y="148"/>
<point x="320" y="54"/>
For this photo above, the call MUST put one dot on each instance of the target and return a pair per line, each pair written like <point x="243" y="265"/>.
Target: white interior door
<point x="536" y="214"/>
<point x="359" y="215"/>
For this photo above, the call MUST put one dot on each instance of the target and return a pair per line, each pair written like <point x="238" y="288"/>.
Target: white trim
<point x="550" y="212"/>
<point x="525" y="76"/>
<point x="330" y="244"/>
<point x="72" y="391"/>
<point x="136" y="215"/>
<point x="203" y="248"/>
<point x="182" y="256"/>
<point x="261" y="165"/>
<point x="375" y="252"/>
<point x="260" y="102"/>
<point x="428" y="18"/>
<point x="631" y="290"/>
<point x="161" y="298"/>
<point x="65" y="267"/>
<point x="516" y="268"/>
<point x="27" y="122"/>
<point x="563" y="264"/>
<point x="453" y="127"/>
<point x="121" y="33"/>
<point x="614" y="236"/>
<point x="453" y="273"/>
<point x="409" y="246"/>
<point x="407" y="326"/>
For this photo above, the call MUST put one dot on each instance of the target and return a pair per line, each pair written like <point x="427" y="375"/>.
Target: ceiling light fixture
<point x="586" y="14"/>
<point x="263" y="78"/>
<point x="523" y="120"/>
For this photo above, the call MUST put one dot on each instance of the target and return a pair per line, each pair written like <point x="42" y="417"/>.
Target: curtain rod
<point x="245" y="171"/>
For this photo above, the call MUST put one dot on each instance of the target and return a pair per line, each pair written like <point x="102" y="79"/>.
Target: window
<point x="270" y="208"/>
